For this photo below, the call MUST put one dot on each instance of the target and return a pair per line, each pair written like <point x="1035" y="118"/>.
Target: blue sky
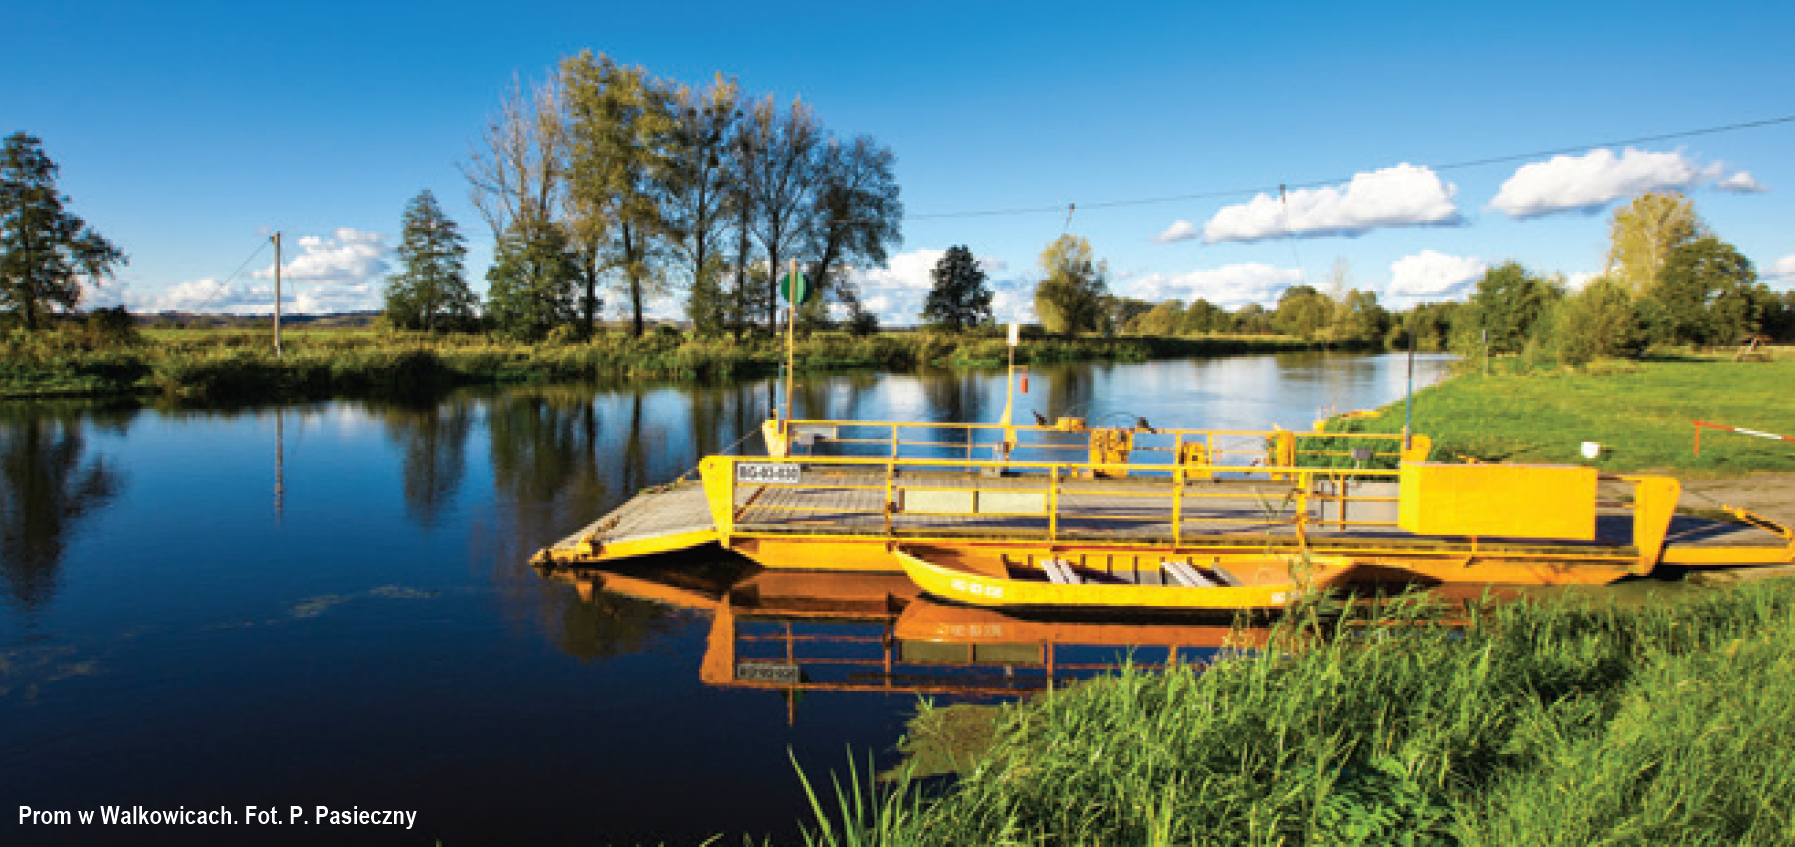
<point x="187" y="132"/>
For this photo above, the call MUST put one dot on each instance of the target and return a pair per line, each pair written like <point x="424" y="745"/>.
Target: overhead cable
<point x="1322" y="183"/>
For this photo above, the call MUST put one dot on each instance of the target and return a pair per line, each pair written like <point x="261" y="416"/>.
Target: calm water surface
<point x="330" y="604"/>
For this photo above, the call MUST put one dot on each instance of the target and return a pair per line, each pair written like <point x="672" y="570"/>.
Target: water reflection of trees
<point x="564" y="456"/>
<point x="1069" y="391"/>
<point x="835" y="397"/>
<point x="432" y="441"/>
<point x="47" y="485"/>
<point x="609" y="624"/>
<point x="545" y="461"/>
<point x="957" y="396"/>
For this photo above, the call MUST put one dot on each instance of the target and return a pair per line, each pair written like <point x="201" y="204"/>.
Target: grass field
<point x="1642" y="414"/>
<point x="1565" y="722"/>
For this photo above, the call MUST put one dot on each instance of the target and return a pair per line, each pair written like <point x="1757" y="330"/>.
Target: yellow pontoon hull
<point x="1276" y="588"/>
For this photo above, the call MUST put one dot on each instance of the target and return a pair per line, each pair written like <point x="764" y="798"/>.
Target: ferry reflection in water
<point x="793" y="632"/>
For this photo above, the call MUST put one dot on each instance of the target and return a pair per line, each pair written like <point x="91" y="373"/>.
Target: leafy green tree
<point x="1303" y="311"/>
<point x="1203" y="316"/>
<point x="1431" y="324"/>
<point x="1508" y="303"/>
<point x="860" y="322"/>
<point x="430" y="291"/>
<point x="532" y="281"/>
<point x="707" y="305"/>
<point x="959" y="298"/>
<point x="618" y="130"/>
<point x="1642" y="235"/>
<point x="1121" y="312"/>
<point x="1599" y="321"/>
<point x="1705" y="295"/>
<point x="1163" y="319"/>
<point x="1252" y="319"/>
<point x="1071" y="298"/>
<point x="1359" y="321"/>
<point x="1778" y="320"/>
<point x="45" y="251"/>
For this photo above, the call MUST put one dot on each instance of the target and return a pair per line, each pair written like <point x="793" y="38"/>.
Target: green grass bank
<point x="1572" y="721"/>
<point x="1642" y="414"/>
<point x="237" y="365"/>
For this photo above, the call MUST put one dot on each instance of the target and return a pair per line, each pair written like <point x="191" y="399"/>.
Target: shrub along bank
<point x="233" y="365"/>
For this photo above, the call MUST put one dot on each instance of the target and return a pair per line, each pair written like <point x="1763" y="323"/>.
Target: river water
<point x="330" y="605"/>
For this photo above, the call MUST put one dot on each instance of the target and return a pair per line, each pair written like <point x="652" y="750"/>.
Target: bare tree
<point x="857" y="213"/>
<point x="779" y="155"/>
<point x="514" y="170"/>
<point x="697" y="190"/>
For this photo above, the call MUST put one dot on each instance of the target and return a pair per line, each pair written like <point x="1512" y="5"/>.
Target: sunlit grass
<point x="1641" y="413"/>
<point x="1570" y="722"/>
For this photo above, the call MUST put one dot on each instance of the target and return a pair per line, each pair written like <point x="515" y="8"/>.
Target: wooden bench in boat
<point x="1190" y="576"/>
<point x="1061" y="573"/>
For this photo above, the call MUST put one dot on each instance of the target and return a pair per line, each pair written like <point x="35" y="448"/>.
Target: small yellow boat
<point x="1187" y="583"/>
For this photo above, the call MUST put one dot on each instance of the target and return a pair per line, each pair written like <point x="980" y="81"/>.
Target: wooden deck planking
<point x="653" y="513"/>
<point x="847" y="503"/>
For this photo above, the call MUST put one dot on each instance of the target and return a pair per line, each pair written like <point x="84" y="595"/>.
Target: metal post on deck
<point x="791" y="324"/>
<point x="1177" y="500"/>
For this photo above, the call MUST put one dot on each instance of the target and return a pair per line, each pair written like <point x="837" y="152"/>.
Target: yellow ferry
<point x="1118" y="503"/>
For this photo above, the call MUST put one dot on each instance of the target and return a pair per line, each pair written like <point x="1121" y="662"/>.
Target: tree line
<point x="1669" y="281"/>
<point x="605" y="178"/>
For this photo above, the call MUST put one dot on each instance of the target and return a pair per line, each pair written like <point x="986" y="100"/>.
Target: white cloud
<point x="103" y="294"/>
<point x="1782" y="270"/>
<point x="1741" y="183"/>
<point x="1405" y="195"/>
<point x="350" y="256"/>
<point x="1431" y="276"/>
<point x="1231" y="286"/>
<point x="1180" y="230"/>
<point x="343" y="273"/>
<point x="1591" y="181"/>
<point x="208" y="295"/>
<point x="896" y="292"/>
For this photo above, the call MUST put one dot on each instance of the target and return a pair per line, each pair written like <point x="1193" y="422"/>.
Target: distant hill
<point x="346" y="320"/>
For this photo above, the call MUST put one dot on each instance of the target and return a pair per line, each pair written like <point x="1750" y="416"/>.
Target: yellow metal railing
<point x="1222" y="448"/>
<point x="826" y="495"/>
<point x="833" y="497"/>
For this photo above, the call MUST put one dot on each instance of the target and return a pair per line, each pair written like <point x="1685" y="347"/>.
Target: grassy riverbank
<point x="1640" y="412"/>
<point x="1563" y="722"/>
<point x="238" y="365"/>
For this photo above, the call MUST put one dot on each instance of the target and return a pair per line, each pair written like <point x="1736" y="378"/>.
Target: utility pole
<point x="277" y="353"/>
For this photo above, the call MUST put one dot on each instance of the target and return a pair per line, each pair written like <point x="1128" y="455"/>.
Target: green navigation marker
<point x="795" y="287"/>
